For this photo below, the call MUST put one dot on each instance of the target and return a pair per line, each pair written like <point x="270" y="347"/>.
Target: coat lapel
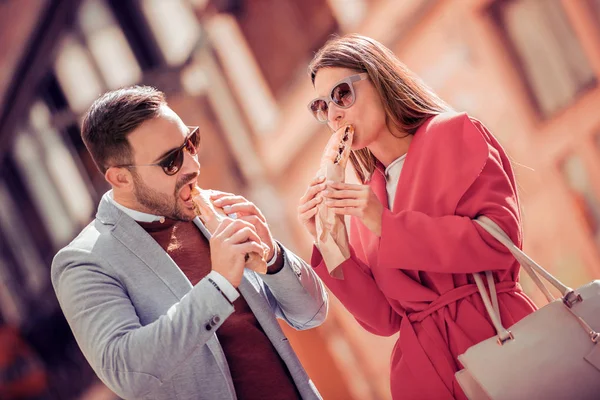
<point x="143" y="246"/>
<point x="368" y="239"/>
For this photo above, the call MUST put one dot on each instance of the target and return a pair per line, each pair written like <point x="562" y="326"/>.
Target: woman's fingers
<point x="309" y="204"/>
<point x="307" y="215"/>
<point x="316" y="185"/>
<point x="342" y="194"/>
<point x="346" y="186"/>
<point x="354" y="211"/>
<point x="331" y="203"/>
<point x="317" y="179"/>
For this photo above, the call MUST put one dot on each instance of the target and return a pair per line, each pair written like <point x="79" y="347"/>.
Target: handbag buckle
<point x="595" y="336"/>
<point x="571" y="298"/>
<point x="510" y="337"/>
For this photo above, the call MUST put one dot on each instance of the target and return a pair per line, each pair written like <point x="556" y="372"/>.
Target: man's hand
<point x="246" y="211"/>
<point x="230" y="243"/>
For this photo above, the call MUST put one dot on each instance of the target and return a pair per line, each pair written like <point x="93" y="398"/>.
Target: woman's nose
<point x="334" y="113"/>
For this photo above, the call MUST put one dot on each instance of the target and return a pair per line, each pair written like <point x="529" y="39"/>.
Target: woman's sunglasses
<point x="342" y="95"/>
<point x="171" y="163"/>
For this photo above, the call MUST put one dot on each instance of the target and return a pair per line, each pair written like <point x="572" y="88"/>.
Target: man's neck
<point x="128" y="201"/>
<point x="133" y="208"/>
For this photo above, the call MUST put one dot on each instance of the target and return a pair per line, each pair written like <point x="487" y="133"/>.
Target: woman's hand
<point x="307" y="208"/>
<point x="356" y="200"/>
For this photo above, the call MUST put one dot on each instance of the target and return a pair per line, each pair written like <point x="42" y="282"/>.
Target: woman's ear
<point x="119" y="177"/>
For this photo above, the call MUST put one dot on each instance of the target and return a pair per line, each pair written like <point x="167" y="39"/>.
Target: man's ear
<point x="119" y="177"/>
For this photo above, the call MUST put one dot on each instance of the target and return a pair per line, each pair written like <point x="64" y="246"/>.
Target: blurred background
<point x="528" y="69"/>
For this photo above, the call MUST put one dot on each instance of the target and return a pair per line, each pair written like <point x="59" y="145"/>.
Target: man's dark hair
<point x="112" y="117"/>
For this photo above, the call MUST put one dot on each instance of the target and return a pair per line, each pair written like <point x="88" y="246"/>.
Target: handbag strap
<point x="531" y="267"/>
<point x="491" y="305"/>
<point x="493" y="294"/>
<point x="493" y="311"/>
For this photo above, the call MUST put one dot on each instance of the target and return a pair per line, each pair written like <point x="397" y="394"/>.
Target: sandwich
<point x="212" y="216"/>
<point x="332" y="238"/>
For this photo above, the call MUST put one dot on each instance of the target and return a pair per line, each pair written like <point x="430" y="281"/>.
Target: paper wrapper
<point x="332" y="237"/>
<point x="212" y="216"/>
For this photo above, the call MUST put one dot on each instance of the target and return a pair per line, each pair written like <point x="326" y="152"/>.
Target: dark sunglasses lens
<point x="319" y="109"/>
<point x="172" y="163"/>
<point x="342" y="95"/>
<point x="193" y="143"/>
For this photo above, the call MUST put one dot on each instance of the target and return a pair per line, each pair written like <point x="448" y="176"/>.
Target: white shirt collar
<point x="394" y="163"/>
<point x="136" y="215"/>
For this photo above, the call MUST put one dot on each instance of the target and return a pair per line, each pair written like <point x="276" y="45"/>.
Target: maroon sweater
<point x="257" y="370"/>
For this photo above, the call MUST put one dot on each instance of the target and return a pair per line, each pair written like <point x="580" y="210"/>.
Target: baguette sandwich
<point x="212" y="216"/>
<point x="332" y="238"/>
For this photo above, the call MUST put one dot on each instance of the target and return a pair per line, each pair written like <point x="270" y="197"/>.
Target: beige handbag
<point x="552" y="353"/>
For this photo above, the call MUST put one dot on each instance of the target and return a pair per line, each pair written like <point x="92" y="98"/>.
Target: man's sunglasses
<point x="171" y="163"/>
<point x="342" y="96"/>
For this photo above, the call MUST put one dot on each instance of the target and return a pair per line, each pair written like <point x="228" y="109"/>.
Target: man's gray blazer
<point x="148" y="333"/>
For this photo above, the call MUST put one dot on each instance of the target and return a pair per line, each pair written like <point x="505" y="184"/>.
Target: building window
<point x="175" y="28"/>
<point x="586" y="200"/>
<point x="77" y="74"/>
<point x="349" y="14"/>
<point x="284" y="45"/>
<point x="548" y="52"/>
<point x="62" y="166"/>
<point x="108" y="45"/>
<point x="243" y="71"/>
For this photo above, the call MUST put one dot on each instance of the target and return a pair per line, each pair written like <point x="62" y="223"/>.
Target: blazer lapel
<point x="143" y="246"/>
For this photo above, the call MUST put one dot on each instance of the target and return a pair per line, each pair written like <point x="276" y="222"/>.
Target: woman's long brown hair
<point x="407" y="101"/>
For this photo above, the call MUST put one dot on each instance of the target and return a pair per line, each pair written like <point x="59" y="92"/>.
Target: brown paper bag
<point x="332" y="237"/>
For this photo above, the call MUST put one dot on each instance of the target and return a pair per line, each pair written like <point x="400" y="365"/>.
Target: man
<point x="151" y="297"/>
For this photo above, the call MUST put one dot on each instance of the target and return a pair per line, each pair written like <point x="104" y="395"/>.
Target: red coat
<point x="416" y="278"/>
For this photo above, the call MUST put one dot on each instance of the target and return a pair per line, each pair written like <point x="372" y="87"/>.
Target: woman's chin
<point x="357" y="146"/>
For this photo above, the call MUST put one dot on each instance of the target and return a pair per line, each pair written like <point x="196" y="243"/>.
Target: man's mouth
<point x="185" y="193"/>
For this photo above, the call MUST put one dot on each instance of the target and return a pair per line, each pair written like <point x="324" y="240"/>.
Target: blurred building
<point x="528" y="69"/>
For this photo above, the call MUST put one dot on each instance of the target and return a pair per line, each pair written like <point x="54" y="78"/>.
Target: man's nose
<point x="190" y="162"/>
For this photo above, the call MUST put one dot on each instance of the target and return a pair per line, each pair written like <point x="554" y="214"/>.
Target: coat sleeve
<point x="452" y="242"/>
<point x="296" y="294"/>
<point x="359" y="293"/>
<point x="131" y="359"/>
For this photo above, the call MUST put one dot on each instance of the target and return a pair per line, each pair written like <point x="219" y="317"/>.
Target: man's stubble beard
<point x="159" y="203"/>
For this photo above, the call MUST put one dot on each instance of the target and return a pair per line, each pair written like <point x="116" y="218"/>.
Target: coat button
<point x="208" y="327"/>
<point x="215" y="320"/>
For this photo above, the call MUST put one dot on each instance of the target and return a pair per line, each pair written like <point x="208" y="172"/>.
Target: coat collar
<point x="142" y="245"/>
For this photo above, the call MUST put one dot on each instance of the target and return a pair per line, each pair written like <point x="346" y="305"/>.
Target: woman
<point x="426" y="172"/>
